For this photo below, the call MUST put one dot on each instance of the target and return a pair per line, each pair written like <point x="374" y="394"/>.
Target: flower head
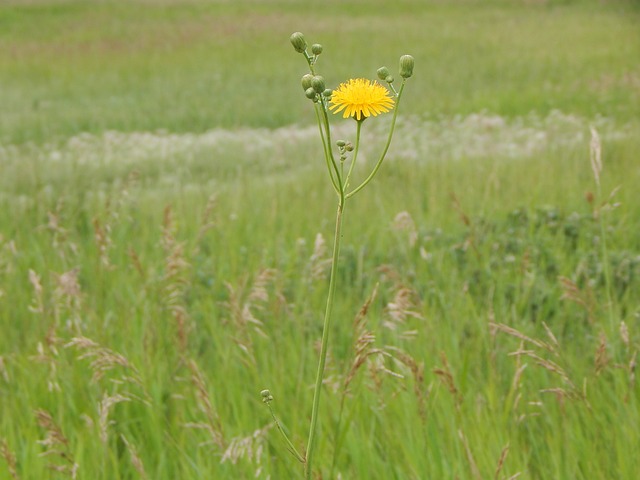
<point x="360" y="98"/>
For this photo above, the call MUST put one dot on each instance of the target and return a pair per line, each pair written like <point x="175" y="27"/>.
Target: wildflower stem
<point x="355" y="154"/>
<point x="386" y="147"/>
<point x="290" y="446"/>
<point x="325" y="341"/>
<point x="327" y="152"/>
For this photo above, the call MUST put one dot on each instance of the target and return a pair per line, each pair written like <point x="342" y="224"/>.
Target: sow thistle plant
<point x="357" y="99"/>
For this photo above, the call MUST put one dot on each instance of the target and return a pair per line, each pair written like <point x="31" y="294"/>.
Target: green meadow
<point x="166" y="225"/>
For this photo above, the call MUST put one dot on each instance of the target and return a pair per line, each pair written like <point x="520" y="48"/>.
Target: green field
<point x="166" y="223"/>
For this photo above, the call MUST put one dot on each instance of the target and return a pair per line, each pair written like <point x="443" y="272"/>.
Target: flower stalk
<point x="357" y="99"/>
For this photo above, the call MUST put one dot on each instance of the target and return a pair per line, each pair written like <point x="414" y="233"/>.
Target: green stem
<point x="355" y="154"/>
<point x="325" y="341"/>
<point x="327" y="152"/>
<point x="386" y="147"/>
<point x="330" y="158"/>
<point x="290" y="446"/>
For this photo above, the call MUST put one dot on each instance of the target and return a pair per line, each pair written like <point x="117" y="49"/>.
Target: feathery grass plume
<point x="362" y="344"/>
<point x="213" y="424"/>
<point x="503" y="458"/>
<point x="115" y="203"/>
<point x="406" y="304"/>
<point x="48" y="355"/>
<point x="60" y="235"/>
<point x="104" y="408"/>
<point x="206" y="222"/>
<point x="546" y="364"/>
<point x="515" y="333"/>
<point x="573" y="392"/>
<point x="421" y="392"/>
<point x="320" y="261"/>
<point x="601" y="360"/>
<point x="67" y="300"/>
<point x="572" y="292"/>
<point x="516" y="382"/>
<point x="403" y="223"/>
<point x="243" y="304"/>
<point x="9" y="458"/>
<point x="361" y="351"/>
<point x="624" y="333"/>
<point x="250" y="448"/>
<point x="175" y="279"/>
<point x="105" y="360"/>
<point x="475" y="471"/>
<point x="102" y="237"/>
<point x="378" y="372"/>
<point x="47" y="352"/>
<point x="56" y="445"/>
<point x="37" y="305"/>
<point x="136" y="461"/>
<point x="446" y="376"/>
<point x="137" y="264"/>
<point x="470" y="241"/>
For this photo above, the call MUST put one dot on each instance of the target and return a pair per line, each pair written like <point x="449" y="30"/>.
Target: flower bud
<point x="265" y="393"/>
<point x="298" y="42"/>
<point x="383" y="73"/>
<point x="389" y="79"/>
<point x="306" y="81"/>
<point x="406" y="66"/>
<point x="349" y="147"/>
<point x="316" y="49"/>
<point x="341" y="143"/>
<point x="317" y="83"/>
<point x="327" y="93"/>
<point x="310" y="93"/>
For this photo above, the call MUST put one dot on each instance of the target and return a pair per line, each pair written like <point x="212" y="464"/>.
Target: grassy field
<point x="166" y="223"/>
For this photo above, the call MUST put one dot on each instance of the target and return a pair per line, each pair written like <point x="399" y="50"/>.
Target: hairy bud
<point x="298" y="42"/>
<point x="383" y="73"/>
<point x="306" y="81"/>
<point x="406" y="66"/>
<point x="317" y="83"/>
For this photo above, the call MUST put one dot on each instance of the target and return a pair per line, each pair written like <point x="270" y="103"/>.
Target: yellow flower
<point x="360" y="98"/>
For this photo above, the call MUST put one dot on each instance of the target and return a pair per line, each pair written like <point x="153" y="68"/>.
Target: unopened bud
<point x="327" y="93"/>
<point x="306" y="81"/>
<point x="265" y="393"/>
<point x="298" y="42"/>
<point x="317" y="83"/>
<point x="406" y="66"/>
<point x="316" y="49"/>
<point x="383" y="73"/>
<point x="341" y="143"/>
<point x="389" y="79"/>
<point x="349" y="147"/>
<point x="310" y="93"/>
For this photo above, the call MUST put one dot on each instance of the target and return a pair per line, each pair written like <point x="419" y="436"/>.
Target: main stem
<point x="325" y="341"/>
